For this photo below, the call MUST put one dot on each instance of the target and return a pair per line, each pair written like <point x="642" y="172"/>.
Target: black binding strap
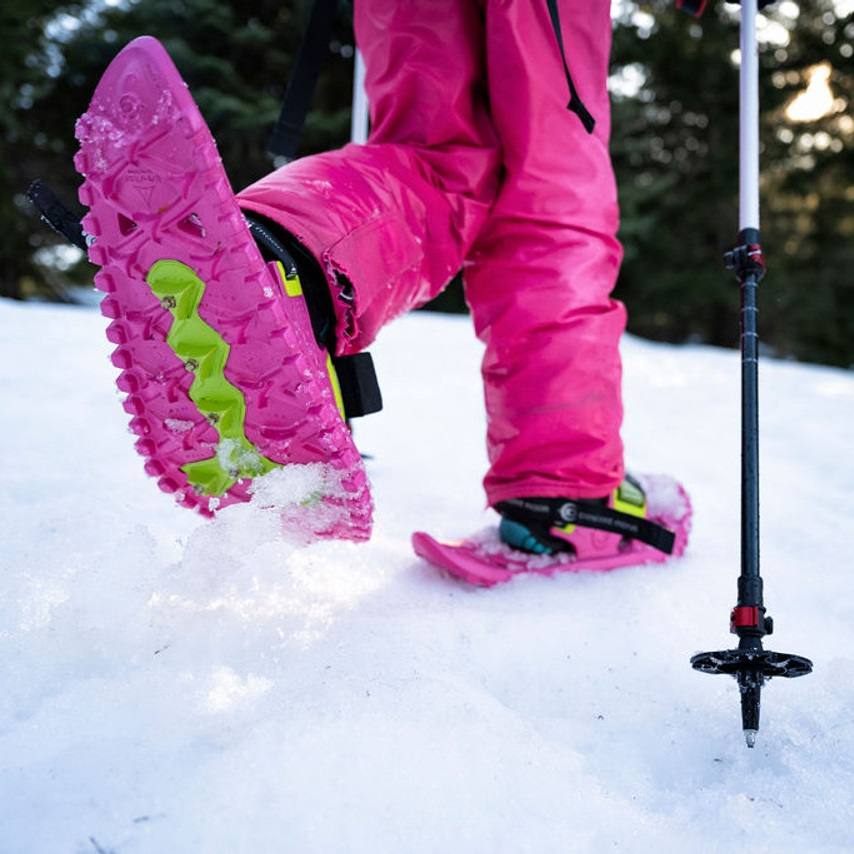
<point x="558" y="512"/>
<point x="360" y="390"/>
<point x="265" y="237"/>
<point x="313" y="50"/>
<point x="357" y="379"/>
<point x="55" y="214"/>
<point x="575" y="103"/>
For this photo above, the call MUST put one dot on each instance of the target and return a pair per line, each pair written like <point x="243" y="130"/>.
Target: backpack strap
<point x="298" y="95"/>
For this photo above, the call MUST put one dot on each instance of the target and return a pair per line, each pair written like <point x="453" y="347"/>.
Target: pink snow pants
<point x="474" y="161"/>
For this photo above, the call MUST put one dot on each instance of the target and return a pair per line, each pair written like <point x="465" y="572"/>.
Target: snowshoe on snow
<point x="645" y="520"/>
<point x="224" y="374"/>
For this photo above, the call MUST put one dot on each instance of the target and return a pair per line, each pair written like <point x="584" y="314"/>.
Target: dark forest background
<point x="674" y="146"/>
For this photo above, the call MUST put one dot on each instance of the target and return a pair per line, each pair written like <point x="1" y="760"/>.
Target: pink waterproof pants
<point x="475" y="162"/>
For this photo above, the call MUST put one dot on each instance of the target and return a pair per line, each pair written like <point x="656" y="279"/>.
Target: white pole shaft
<point x="748" y="117"/>
<point x="359" y="119"/>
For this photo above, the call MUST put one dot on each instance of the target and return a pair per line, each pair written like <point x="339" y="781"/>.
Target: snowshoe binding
<point x="647" y="519"/>
<point x="224" y="377"/>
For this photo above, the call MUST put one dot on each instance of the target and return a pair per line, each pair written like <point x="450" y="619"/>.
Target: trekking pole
<point x="750" y="664"/>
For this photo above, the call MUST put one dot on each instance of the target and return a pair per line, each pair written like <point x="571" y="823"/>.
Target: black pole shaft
<point x="750" y="581"/>
<point x="750" y="430"/>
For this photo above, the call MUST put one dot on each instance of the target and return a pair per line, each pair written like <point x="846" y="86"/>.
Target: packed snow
<point x="177" y="685"/>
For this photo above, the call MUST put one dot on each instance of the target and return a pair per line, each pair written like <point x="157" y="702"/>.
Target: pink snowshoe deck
<point x="485" y="561"/>
<point x="224" y="380"/>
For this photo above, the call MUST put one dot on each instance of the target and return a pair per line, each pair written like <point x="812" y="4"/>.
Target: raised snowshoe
<point x="224" y="377"/>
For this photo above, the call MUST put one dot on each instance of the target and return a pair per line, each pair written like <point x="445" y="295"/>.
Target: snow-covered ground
<point x="174" y="685"/>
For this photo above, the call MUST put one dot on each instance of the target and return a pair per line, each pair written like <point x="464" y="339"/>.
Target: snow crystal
<point x="101" y="134"/>
<point x="178" y="425"/>
<point x="237" y="457"/>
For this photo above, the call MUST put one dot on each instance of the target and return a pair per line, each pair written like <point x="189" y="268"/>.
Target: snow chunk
<point x="304" y="497"/>
<point x="664" y="497"/>
<point x="234" y="456"/>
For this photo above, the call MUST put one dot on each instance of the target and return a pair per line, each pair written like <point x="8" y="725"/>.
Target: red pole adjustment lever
<point x="744" y="615"/>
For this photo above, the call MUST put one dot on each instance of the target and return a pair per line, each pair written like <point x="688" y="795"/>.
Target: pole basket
<point x="752" y="668"/>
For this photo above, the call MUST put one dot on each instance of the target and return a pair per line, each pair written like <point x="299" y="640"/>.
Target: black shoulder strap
<point x="312" y="52"/>
<point x="575" y="103"/>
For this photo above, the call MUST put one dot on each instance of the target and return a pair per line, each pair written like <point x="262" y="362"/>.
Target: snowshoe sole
<point x="222" y="376"/>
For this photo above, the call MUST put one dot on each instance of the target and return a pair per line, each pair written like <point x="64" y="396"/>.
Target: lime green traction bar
<point x="204" y="352"/>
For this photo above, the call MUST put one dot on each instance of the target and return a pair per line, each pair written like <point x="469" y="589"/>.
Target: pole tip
<point x="750" y="737"/>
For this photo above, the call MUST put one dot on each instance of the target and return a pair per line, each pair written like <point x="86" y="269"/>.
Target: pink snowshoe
<point x="646" y="520"/>
<point x="224" y="379"/>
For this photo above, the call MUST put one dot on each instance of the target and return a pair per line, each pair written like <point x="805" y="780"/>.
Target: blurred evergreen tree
<point x="674" y="143"/>
<point x="675" y="149"/>
<point x="26" y="66"/>
<point x="236" y="58"/>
